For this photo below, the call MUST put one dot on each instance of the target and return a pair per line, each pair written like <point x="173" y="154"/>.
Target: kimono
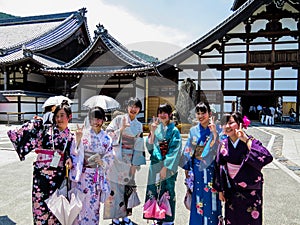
<point x="45" y="140"/>
<point x="170" y="160"/>
<point x="205" y="205"/>
<point x="239" y="176"/>
<point x="89" y="178"/>
<point x="128" y="147"/>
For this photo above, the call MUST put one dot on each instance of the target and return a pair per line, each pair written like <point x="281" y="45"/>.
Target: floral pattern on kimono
<point x="171" y="161"/>
<point x="34" y="136"/>
<point x="128" y="147"/>
<point x="243" y="192"/>
<point x="205" y="206"/>
<point x="90" y="179"/>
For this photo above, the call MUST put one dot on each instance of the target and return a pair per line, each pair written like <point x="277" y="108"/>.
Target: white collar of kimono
<point x="97" y="134"/>
<point x="165" y="128"/>
<point x="128" y="118"/>
<point x="235" y="143"/>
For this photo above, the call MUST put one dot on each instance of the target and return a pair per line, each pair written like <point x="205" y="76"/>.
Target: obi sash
<point x="89" y="159"/>
<point x="45" y="156"/>
<point x="127" y="142"/>
<point x="233" y="169"/>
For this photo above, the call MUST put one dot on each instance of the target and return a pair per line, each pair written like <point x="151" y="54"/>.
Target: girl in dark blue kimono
<point x="164" y="146"/>
<point x="199" y="152"/>
<point x="239" y="180"/>
<point x="52" y="144"/>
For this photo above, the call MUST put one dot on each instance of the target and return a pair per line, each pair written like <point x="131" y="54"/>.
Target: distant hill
<point x="6" y="16"/>
<point x="145" y="57"/>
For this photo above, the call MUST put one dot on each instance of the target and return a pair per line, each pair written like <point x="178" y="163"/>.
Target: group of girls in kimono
<point x="221" y="164"/>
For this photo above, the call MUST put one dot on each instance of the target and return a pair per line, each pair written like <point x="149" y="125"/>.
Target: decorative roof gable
<point x="42" y="34"/>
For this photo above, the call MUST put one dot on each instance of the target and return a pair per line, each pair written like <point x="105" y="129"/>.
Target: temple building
<point x="55" y="55"/>
<point x="250" y="59"/>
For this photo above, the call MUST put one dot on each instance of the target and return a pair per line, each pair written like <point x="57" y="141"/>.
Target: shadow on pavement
<point x="5" y="220"/>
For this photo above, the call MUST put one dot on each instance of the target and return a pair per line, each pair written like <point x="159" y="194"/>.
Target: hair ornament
<point x="246" y="122"/>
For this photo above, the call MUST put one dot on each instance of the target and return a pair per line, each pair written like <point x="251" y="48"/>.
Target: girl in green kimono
<point x="164" y="145"/>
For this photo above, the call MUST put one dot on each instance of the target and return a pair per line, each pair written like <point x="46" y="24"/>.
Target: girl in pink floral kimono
<point x="92" y="158"/>
<point x="239" y="179"/>
<point x="53" y="145"/>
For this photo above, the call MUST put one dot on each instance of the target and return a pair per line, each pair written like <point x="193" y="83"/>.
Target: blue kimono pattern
<point x="170" y="161"/>
<point x="205" y="206"/>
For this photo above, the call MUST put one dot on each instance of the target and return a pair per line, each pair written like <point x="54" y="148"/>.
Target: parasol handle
<point x="67" y="170"/>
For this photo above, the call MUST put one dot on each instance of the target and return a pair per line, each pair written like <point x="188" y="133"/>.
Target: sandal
<point x="114" y="223"/>
<point x="129" y="222"/>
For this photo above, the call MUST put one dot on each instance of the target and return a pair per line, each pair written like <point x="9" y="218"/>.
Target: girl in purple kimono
<point x="239" y="179"/>
<point x="92" y="159"/>
<point x="53" y="145"/>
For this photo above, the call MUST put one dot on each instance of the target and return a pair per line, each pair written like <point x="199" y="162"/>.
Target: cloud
<point x="122" y="25"/>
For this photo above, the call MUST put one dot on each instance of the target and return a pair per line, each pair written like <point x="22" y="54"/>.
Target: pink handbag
<point x="152" y="210"/>
<point x="165" y="204"/>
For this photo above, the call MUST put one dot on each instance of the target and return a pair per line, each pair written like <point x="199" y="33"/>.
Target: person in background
<point x="200" y="151"/>
<point x="164" y="146"/>
<point x="239" y="179"/>
<point x="272" y="115"/>
<point x="91" y="161"/>
<point x="53" y="145"/>
<point x="292" y="115"/>
<point x="47" y="115"/>
<point x="128" y="145"/>
<point x="279" y="112"/>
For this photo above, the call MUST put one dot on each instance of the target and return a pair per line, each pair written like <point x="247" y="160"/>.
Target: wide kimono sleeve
<point x="220" y="178"/>
<point x="108" y="156"/>
<point x="258" y="156"/>
<point x="171" y="161"/>
<point x="77" y="156"/>
<point x="113" y="130"/>
<point x="186" y="152"/>
<point x="26" y="138"/>
<point x="139" y="157"/>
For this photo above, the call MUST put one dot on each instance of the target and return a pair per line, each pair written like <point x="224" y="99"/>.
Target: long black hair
<point x="237" y="117"/>
<point x="202" y="107"/>
<point x="166" y="108"/>
<point x="134" y="101"/>
<point x="96" y="112"/>
<point x="65" y="106"/>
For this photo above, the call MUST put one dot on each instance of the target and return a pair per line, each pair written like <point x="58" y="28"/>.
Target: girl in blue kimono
<point x="199" y="153"/>
<point x="164" y="145"/>
<point x="239" y="180"/>
<point x="53" y="145"/>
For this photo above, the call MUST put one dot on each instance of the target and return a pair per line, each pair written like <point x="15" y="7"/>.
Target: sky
<point x="157" y="27"/>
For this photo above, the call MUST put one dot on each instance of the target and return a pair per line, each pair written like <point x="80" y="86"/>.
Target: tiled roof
<point x="36" y="33"/>
<point x="99" y="71"/>
<point x="14" y="35"/>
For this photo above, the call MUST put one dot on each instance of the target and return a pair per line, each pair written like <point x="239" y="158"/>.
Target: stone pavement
<point x="281" y="189"/>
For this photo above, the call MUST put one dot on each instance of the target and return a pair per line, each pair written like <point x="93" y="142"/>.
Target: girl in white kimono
<point x="127" y="135"/>
<point x="92" y="159"/>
